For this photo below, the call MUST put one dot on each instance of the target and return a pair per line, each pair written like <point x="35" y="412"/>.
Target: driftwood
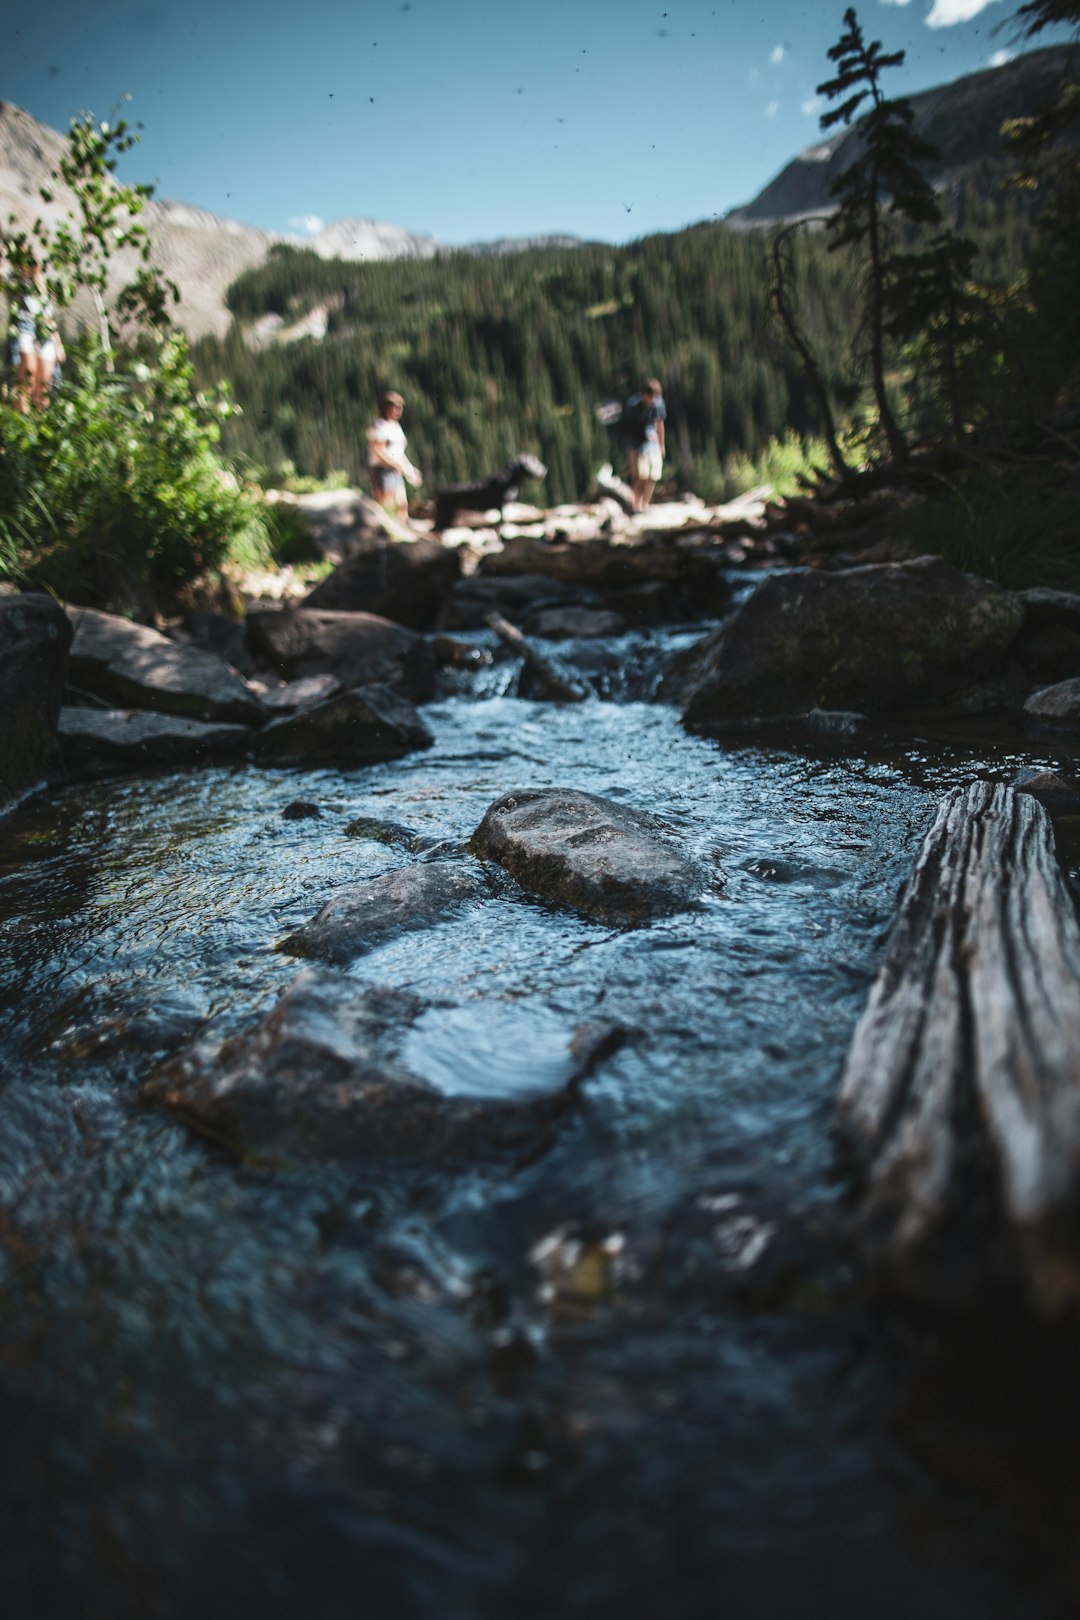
<point x="960" y="1096"/>
<point x="552" y="683"/>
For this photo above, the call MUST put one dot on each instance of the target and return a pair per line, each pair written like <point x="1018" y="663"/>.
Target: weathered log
<point x="550" y="681"/>
<point x="960" y="1096"/>
<point x="609" y="483"/>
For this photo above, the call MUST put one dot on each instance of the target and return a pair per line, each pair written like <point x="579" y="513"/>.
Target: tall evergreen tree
<point x="884" y="180"/>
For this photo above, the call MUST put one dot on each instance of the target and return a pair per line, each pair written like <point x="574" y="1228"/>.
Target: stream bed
<point x="629" y="1370"/>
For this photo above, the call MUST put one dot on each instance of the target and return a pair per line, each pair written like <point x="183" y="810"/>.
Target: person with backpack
<point x="644" y="415"/>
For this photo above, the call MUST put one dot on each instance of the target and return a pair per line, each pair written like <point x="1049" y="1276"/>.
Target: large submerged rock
<point x="1056" y="707"/>
<point x="360" y="649"/>
<point x="362" y="727"/>
<point x="335" y="1070"/>
<point x="134" y="667"/>
<point x="406" y="581"/>
<point x="100" y="742"/>
<point x="575" y="849"/>
<point x="34" y="639"/>
<point x="883" y="636"/>
<point x="367" y="914"/>
<point x="646" y="578"/>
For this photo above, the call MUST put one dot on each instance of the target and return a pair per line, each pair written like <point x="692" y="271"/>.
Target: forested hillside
<point x="513" y="353"/>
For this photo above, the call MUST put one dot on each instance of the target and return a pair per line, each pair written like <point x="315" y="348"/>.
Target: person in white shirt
<point x="36" y="346"/>
<point x="389" y="466"/>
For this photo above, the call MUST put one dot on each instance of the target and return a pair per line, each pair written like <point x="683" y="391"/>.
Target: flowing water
<point x="629" y="1372"/>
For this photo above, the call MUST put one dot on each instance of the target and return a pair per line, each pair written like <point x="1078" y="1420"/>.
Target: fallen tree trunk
<point x="550" y="681"/>
<point x="960" y="1096"/>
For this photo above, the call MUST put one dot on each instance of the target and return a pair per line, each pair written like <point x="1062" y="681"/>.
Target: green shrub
<point x="115" y="495"/>
<point x="1017" y="530"/>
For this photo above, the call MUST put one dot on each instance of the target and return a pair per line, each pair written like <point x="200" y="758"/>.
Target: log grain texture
<point x="960" y="1097"/>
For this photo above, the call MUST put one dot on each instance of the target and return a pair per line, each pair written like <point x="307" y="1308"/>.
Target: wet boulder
<point x="368" y="914"/>
<point x="134" y="667"/>
<point x="35" y="636"/>
<point x="609" y="862"/>
<point x="336" y="1070"/>
<point x="359" y="649"/>
<point x="361" y="727"/>
<point x="406" y="581"/>
<point x="102" y="742"/>
<point x="1056" y="707"/>
<point x="883" y="636"/>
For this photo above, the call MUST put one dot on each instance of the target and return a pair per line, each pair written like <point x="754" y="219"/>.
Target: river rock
<point x="35" y="636"/>
<point x="605" y="860"/>
<point x="1051" y="790"/>
<point x="883" y="636"/>
<point x="513" y="595"/>
<point x="1057" y="707"/>
<point x="301" y="694"/>
<point x="367" y="914"/>
<point x="335" y="1070"/>
<point x="406" y="581"/>
<point x="220" y="634"/>
<point x="361" y="727"/>
<point x="134" y="667"/>
<point x="360" y="649"/>
<point x="684" y="573"/>
<point x="100" y="742"/>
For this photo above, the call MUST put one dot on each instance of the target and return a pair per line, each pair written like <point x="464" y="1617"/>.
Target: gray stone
<point x="514" y="595"/>
<point x="406" y="581"/>
<point x="574" y="849"/>
<point x="301" y="694"/>
<point x="362" y="727"/>
<point x="335" y="1070"/>
<point x="34" y="640"/>
<point x="1051" y="790"/>
<point x="100" y="742"/>
<point x="367" y="914"/>
<point x="1057" y="707"/>
<point x="134" y="667"/>
<point x="884" y="636"/>
<point x="359" y="649"/>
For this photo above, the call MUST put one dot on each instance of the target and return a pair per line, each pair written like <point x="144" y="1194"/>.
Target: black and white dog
<point x="497" y="490"/>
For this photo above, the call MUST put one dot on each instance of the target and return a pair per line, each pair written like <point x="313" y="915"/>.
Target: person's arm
<point x="660" y="436"/>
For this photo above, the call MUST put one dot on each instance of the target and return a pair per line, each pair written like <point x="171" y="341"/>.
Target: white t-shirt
<point x="390" y="436"/>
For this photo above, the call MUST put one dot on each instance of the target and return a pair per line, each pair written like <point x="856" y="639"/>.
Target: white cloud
<point x="1000" y="58"/>
<point x="772" y="109"/>
<point x="948" y="12"/>
<point x="811" y="108"/>
<point x="777" y="54"/>
<point x="310" y="224"/>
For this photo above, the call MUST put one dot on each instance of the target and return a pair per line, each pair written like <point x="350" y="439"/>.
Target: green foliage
<point x="1019" y="530"/>
<point x="789" y="463"/>
<point x="513" y="353"/>
<point x="114" y="495"/>
<point x="883" y="182"/>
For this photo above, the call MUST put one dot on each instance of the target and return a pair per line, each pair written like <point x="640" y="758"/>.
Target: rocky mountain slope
<point x="202" y="252"/>
<point x="962" y="119"/>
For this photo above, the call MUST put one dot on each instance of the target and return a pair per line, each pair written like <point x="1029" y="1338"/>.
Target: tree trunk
<point x="960" y="1096"/>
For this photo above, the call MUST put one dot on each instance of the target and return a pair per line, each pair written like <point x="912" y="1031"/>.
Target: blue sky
<point x="469" y="119"/>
